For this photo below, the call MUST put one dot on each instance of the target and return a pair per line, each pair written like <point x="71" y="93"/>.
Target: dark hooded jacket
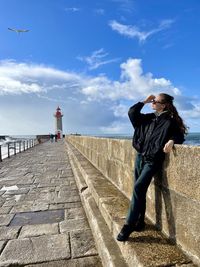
<point x="153" y="132"/>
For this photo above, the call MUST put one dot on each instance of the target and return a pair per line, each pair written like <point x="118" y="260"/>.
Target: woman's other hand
<point x="168" y="146"/>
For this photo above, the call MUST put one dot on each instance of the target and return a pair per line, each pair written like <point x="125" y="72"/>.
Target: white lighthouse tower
<point x="58" y="115"/>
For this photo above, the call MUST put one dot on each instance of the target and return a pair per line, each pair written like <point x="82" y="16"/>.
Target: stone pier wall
<point x="173" y="199"/>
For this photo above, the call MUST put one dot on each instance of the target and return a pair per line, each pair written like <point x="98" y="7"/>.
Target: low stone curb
<point x="106" y="246"/>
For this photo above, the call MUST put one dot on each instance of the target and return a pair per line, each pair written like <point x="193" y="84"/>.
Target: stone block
<point x="12" y="200"/>
<point x="17" y="192"/>
<point x="6" y="219"/>
<point x="181" y="171"/>
<point x="127" y="182"/>
<point x="93" y="261"/>
<point x="187" y="225"/>
<point x="103" y="164"/>
<point x="9" y="232"/>
<point x="38" y="229"/>
<point x="67" y="199"/>
<point x="57" y="206"/>
<point x="29" y="207"/>
<point x="63" y="193"/>
<point x="114" y="172"/>
<point x="36" y="249"/>
<point x="74" y="224"/>
<point x="5" y="210"/>
<point x="82" y="244"/>
<point x="102" y="188"/>
<point x="130" y="154"/>
<point x="117" y="151"/>
<point x="75" y="213"/>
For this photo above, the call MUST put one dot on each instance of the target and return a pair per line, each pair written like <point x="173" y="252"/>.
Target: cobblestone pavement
<point x="42" y="221"/>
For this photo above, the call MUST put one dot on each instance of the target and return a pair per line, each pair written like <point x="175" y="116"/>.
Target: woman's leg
<point x="138" y="202"/>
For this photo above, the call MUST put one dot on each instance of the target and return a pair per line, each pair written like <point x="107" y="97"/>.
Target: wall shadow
<point x="163" y="201"/>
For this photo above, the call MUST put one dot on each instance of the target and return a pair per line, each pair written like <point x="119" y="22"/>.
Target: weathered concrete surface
<point x="42" y="221"/>
<point x="173" y="199"/>
<point x="102" y="199"/>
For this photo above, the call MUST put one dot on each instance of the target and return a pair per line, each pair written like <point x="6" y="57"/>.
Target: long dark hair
<point x="169" y="106"/>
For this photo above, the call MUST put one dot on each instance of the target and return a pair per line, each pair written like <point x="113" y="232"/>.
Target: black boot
<point x="125" y="232"/>
<point x="140" y="226"/>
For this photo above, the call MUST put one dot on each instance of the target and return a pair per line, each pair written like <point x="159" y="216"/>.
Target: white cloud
<point x="120" y="110"/>
<point x="132" y="31"/>
<point x="116" y="127"/>
<point x="133" y="84"/>
<point x="97" y="59"/>
<point x="72" y="9"/>
<point x="53" y="99"/>
<point x="99" y="11"/>
<point x="10" y="86"/>
<point x="18" y="78"/>
<point x="193" y="113"/>
<point x="105" y="102"/>
<point x="125" y="5"/>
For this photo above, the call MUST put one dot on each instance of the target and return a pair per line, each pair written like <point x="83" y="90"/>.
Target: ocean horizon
<point x="192" y="139"/>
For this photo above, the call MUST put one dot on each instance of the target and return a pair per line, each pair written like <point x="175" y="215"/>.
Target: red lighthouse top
<point x="58" y="113"/>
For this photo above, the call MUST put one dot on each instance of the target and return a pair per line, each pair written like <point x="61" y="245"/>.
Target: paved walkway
<point x="42" y="221"/>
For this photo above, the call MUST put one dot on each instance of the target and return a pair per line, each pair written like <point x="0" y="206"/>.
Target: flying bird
<point x="17" y="30"/>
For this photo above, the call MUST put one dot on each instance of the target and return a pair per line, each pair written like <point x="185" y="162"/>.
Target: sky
<point x="95" y="59"/>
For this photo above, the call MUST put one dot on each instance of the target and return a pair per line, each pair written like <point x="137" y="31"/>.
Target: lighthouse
<point x="58" y="116"/>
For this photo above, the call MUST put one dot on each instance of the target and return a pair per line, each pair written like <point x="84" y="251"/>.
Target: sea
<point x="192" y="139"/>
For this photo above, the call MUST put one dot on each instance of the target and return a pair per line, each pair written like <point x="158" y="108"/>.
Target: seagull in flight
<point x="17" y="30"/>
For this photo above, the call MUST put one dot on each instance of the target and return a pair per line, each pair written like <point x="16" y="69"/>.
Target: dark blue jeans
<point x="144" y="171"/>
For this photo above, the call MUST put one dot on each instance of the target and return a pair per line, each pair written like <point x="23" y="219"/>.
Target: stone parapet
<point x="173" y="199"/>
<point x="42" y="138"/>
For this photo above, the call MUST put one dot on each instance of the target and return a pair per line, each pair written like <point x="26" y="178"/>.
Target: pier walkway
<point x="42" y="221"/>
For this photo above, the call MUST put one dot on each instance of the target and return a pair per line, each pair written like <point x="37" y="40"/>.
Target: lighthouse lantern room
<point x="58" y="116"/>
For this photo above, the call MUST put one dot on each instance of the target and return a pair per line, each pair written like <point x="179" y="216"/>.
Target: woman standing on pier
<point x="155" y="134"/>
